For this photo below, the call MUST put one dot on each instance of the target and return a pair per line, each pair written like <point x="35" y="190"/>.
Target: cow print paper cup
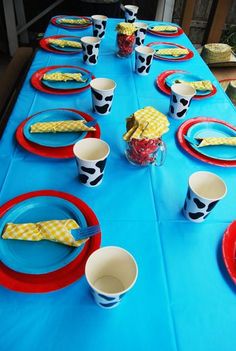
<point x="181" y="96"/>
<point x="130" y="13"/>
<point x="90" y="46"/>
<point x="143" y="59"/>
<point x="110" y="272"/>
<point x="140" y="33"/>
<point x="102" y="94"/>
<point x="99" y="25"/>
<point x="91" y="155"/>
<point x="205" y="189"/>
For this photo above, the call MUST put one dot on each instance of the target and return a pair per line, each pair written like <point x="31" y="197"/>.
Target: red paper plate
<point x="44" y="45"/>
<point x="53" y="152"/>
<point x="185" y="58"/>
<point x="167" y="35"/>
<point x="78" y="26"/>
<point x="183" y="129"/>
<point x="160" y="82"/>
<point x="62" y="277"/>
<point x="38" y="75"/>
<point x="229" y="250"/>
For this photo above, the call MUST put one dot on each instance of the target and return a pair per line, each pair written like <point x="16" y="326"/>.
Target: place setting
<point x="163" y="29"/>
<point x="171" y="51"/>
<point x="71" y="22"/>
<point x="62" y="44"/>
<point x="204" y="88"/>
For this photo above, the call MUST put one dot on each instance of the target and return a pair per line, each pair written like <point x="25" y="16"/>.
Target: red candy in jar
<point x="142" y="151"/>
<point x="125" y="44"/>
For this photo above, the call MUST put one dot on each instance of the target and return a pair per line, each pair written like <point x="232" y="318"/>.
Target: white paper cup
<point x="102" y="94"/>
<point x="130" y="13"/>
<point x="99" y="25"/>
<point x="181" y="96"/>
<point x="91" y="155"/>
<point x="110" y="272"/>
<point x="90" y="46"/>
<point x="205" y="189"/>
<point x="143" y="59"/>
<point x="140" y="33"/>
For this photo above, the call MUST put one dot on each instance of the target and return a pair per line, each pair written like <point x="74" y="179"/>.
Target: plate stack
<point x="216" y="52"/>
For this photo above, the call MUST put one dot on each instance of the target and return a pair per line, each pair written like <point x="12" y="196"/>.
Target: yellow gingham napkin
<point x="74" y="20"/>
<point x="126" y="28"/>
<point x="55" y="230"/>
<point x="164" y="29"/>
<point x="60" y="127"/>
<point x="146" y="123"/>
<point x="63" y="77"/>
<point x="200" y="85"/>
<point x="65" y="43"/>
<point x="172" y="52"/>
<point x="217" y="141"/>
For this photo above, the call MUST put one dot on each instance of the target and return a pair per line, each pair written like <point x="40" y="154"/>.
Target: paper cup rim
<point x="175" y="85"/>
<point x="215" y="176"/>
<point x="97" y="159"/>
<point x="129" y="7"/>
<point x="101" y="17"/>
<point x="119" y="292"/>
<point x="139" y="25"/>
<point x="97" y="79"/>
<point x="140" y="47"/>
<point x="85" y="38"/>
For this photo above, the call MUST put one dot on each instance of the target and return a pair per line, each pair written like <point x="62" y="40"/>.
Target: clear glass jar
<point x="125" y="44"/>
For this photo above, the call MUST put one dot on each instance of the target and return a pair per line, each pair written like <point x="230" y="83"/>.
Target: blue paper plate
<point x="166" y="46"/>
<point x="213" y="129"/>
<point x="67" y="48"/>
<point x="188" y="77"/>
<point x="53" y="139"/>
<point x="43" y="256"/>
<point x="69" y="84"/>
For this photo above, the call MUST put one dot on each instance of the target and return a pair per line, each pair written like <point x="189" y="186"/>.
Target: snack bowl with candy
<point x="125" y="39"/>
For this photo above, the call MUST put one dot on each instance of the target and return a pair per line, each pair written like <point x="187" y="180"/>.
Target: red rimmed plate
<point x="167" y="35"/>
<point x="229" y="250"/>
<point x="38" y="75"/>
<point x="182" y="131"/>
<point x="185" y="58"/>
<point x="160" y="82"/>
<point x="44" y="45"/>
<point x="78" y="26"/>
<point x="52" y="152"/>
<point x="62" y="277"/>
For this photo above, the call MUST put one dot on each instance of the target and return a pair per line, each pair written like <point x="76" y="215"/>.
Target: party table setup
<point x="117" y="179"/>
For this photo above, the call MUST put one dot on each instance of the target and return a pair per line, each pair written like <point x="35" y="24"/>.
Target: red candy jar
<point x="125" y="44"/>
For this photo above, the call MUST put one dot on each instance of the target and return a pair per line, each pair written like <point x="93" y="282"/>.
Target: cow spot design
<point x="83" y="47"/>
<point x="211" y="206"/>
<point x="101" y="34"/>
<point x="93" y="59"/>
<point x="101" y="109"/>
<point x="138" y="41"/>
<point x="184" y="102"/>
<point x="181" y="113"/>
<point x="83" y="178"/>
<point x="188" y="194"/>
<point x="174" y="99"/>
<point x="97" y="180"/>
<point x="98" y="26"/>
<point x="142" y="59"/>
<point x="89" y="49"/>
<point x="172" y="110"/>
<point x="148" y="60"/>
<point x="95" y="32"/>
<point x="97" y="46"/>
<point x="108" y="304"/>
<point x="131" y="20"/>
<point x="199" y="203"/>
<point x="104" y="23"/>
<point x="206" y="216"/>
<point x="109" y="98"/>
<point x="148" y="69"/>
<point x="88" y="170"/>
<point x="85" y="58"/>
<point x="129" y="12"/>
<point x="101" y="165"/>
<point x="108" y="298"/>
<point x="141" y="69"/>
<point x="185" y="205"/>
<point x="97" y="95"/>
<point x="196" y="215"/>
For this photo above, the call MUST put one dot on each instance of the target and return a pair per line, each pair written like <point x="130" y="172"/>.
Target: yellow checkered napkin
<point x="74" y="21"/>
<point x="146" y="123"/>
<point x="126" y="28"/>
<point x="172" y="52"/>
<point x="217" y="141"/>
<point x="64" y="77"/>
<point x="60" y="127"/>
<point x="164" y="29"/>
<point x="55" y="230"/>
<point x="65" y="43"/>
<point x="200" y="85"/>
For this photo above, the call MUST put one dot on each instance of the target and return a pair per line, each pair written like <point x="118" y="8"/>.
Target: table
<point x="183" y="299"/>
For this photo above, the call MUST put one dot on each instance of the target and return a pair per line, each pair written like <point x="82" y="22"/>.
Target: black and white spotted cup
<point x="102" y="95"/>
<point x="91" y="155"/>
<point x="143" y="59"/>
<point x="205" y="189"/>
<point x="110" y="272"/>
<point x="99" y="25"/>
<point x="90" y="46"/>
<point x="140" y="33"/>
<point x="181" y="96"/>
<point x="130" y="13"/>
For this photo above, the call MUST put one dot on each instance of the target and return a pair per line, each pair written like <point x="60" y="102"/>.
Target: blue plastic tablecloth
<point x="183" y="299"/>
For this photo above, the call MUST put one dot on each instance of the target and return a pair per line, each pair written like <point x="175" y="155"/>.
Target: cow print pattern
<point x="106" y="301"/>
<point x="195" y="209"/>
<point x="102" y="102"/>
<point x="90" y="53"/>
<point x="143" y="64"/>
<point x="130" y="16"/>
<point x="99" y="28"/>
<point x="178" y="106"/>
<point x="140" y="36"/>
<point x="91" y="176"/>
